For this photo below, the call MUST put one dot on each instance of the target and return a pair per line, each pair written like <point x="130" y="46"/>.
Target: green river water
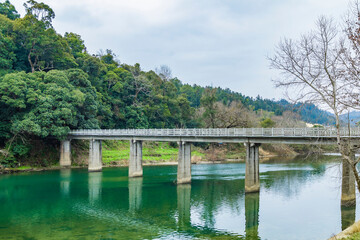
<point x="298" y="200"/>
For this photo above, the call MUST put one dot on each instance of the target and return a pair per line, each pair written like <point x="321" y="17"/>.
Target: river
<point x="299" y="199"/>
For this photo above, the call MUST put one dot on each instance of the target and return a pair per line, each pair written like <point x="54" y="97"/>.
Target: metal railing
<point x="221" y="132"/>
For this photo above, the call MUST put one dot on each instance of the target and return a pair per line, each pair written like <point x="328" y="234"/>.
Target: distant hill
<point x="308" y="112"/>
<point x="354" y="117"/>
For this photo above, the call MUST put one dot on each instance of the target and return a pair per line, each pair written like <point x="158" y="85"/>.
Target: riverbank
<point x="116" y="153"/>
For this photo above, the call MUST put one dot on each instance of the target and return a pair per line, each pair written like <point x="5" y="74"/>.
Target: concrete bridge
<point x="251" y="137"/>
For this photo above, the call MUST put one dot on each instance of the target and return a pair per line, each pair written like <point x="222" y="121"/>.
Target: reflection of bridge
<point x="252" y="137"/>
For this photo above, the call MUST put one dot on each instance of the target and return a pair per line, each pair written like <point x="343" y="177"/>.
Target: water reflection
<point x="108" y="205"/>
<point x="183" y="204"/>
<point x="135" y="193"/>
<point x="347" y="216"/>
<point x="252" y="215"/>
<point x="94" y="183"/>
<point x="65" y="177"/>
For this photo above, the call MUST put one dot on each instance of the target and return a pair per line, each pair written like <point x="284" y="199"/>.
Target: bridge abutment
<point x="65" y="153"/>
<point x="135" y="161"/>
<point x="252" y="180"/>
<point x="184" y="163"/>
<point x="95" y="156"/>
<point x="348" y="196"/>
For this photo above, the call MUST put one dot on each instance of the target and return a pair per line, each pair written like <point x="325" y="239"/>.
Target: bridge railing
<point x="223" y="132"/>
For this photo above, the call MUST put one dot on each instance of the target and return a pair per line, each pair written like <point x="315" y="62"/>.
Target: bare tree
<point x="164" y="72"/>
<point x="315" y="69"/>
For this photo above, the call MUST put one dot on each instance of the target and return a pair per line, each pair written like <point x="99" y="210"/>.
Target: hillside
<point x="50" y="84"/>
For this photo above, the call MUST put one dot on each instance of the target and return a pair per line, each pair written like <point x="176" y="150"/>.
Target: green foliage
<point x="267" y="123"/>
<point x="75" y="43"/>
<point x="8" y="10"/>
<point x="208" y="101"/>
<point x="40" y="11"/>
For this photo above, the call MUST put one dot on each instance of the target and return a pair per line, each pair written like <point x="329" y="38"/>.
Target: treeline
<point x="50" y="84"/>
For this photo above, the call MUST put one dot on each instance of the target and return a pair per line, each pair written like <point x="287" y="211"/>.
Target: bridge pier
<point x="348" y="196"/>
<point x="184" y="163"/>
<point x="65" y="153"/>
<point x="252" y="180"/>
<point x="135" y="161"/>
<point x="95" y="156"/>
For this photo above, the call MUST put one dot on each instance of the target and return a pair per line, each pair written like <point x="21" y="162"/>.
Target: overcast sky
<point x="205" y="42"/>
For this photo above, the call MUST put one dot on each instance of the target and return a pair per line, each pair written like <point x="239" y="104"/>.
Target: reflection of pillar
<point x="65" y="153"/>
<point x="95" y="156"/>
<point x="184" y="163"/>
<point x="347" y="216"/>
<point x="94" y="183"/>
<point x="135" y="161"/>
<point x="252" y="215"/>
<point x="252" y="181"/>
<point x="65" y="175"/>
<point x="183" y="204"/>
<point x="348" y="197"/>
<point x="135" y="192"/>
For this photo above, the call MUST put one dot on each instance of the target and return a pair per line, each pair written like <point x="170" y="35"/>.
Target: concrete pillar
<point x="348" y="196"/>
<point x="95" y="188"/>
<point x="183" y="204"/>
<point x="252" y="180"/>
<point x="184" y="163"/>
<point x="135" y="194"/>
<point x="65" y="153"/>
<point x="95" y="156"/>
<point x="135" y="161"/>
<point x="252" y="215"/>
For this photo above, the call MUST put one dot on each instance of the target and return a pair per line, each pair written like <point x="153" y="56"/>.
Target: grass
<point x="355" y="236"/>
<point x="114" y="151"/>
<point x="23" y="168"/>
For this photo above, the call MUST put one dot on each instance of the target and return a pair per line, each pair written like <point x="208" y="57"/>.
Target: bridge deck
<point x="258" y="135"/>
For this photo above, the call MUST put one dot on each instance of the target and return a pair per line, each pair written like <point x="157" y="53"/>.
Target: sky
<point x="205" y="42"/>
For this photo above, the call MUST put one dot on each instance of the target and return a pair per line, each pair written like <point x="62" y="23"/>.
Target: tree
<point x="267" y="123"/>
<point x="75" y="43"/>
<point x="7" y="45"/>
<point x="208" y="102"/>
<point x="164" y="72"/>
<point x="316" y="68"/>
<point x="9" y="10"/>
<point x="41" y="11"/>
<point x="38" y="43"/>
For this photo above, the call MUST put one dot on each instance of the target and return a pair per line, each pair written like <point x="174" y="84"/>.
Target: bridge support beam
<point x="252" y="180"/>
<point x="65" y="153"/>
<point x="95" y="156"/>
<point x="135" y="162"/>
<point x="184" y="163"/>
<point x="348" y="196"/>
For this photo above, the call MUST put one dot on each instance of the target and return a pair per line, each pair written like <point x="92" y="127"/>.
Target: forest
<point x="50" y="84"/>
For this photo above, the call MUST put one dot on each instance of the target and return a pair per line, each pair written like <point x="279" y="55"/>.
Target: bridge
<point x="251" y="137"/>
